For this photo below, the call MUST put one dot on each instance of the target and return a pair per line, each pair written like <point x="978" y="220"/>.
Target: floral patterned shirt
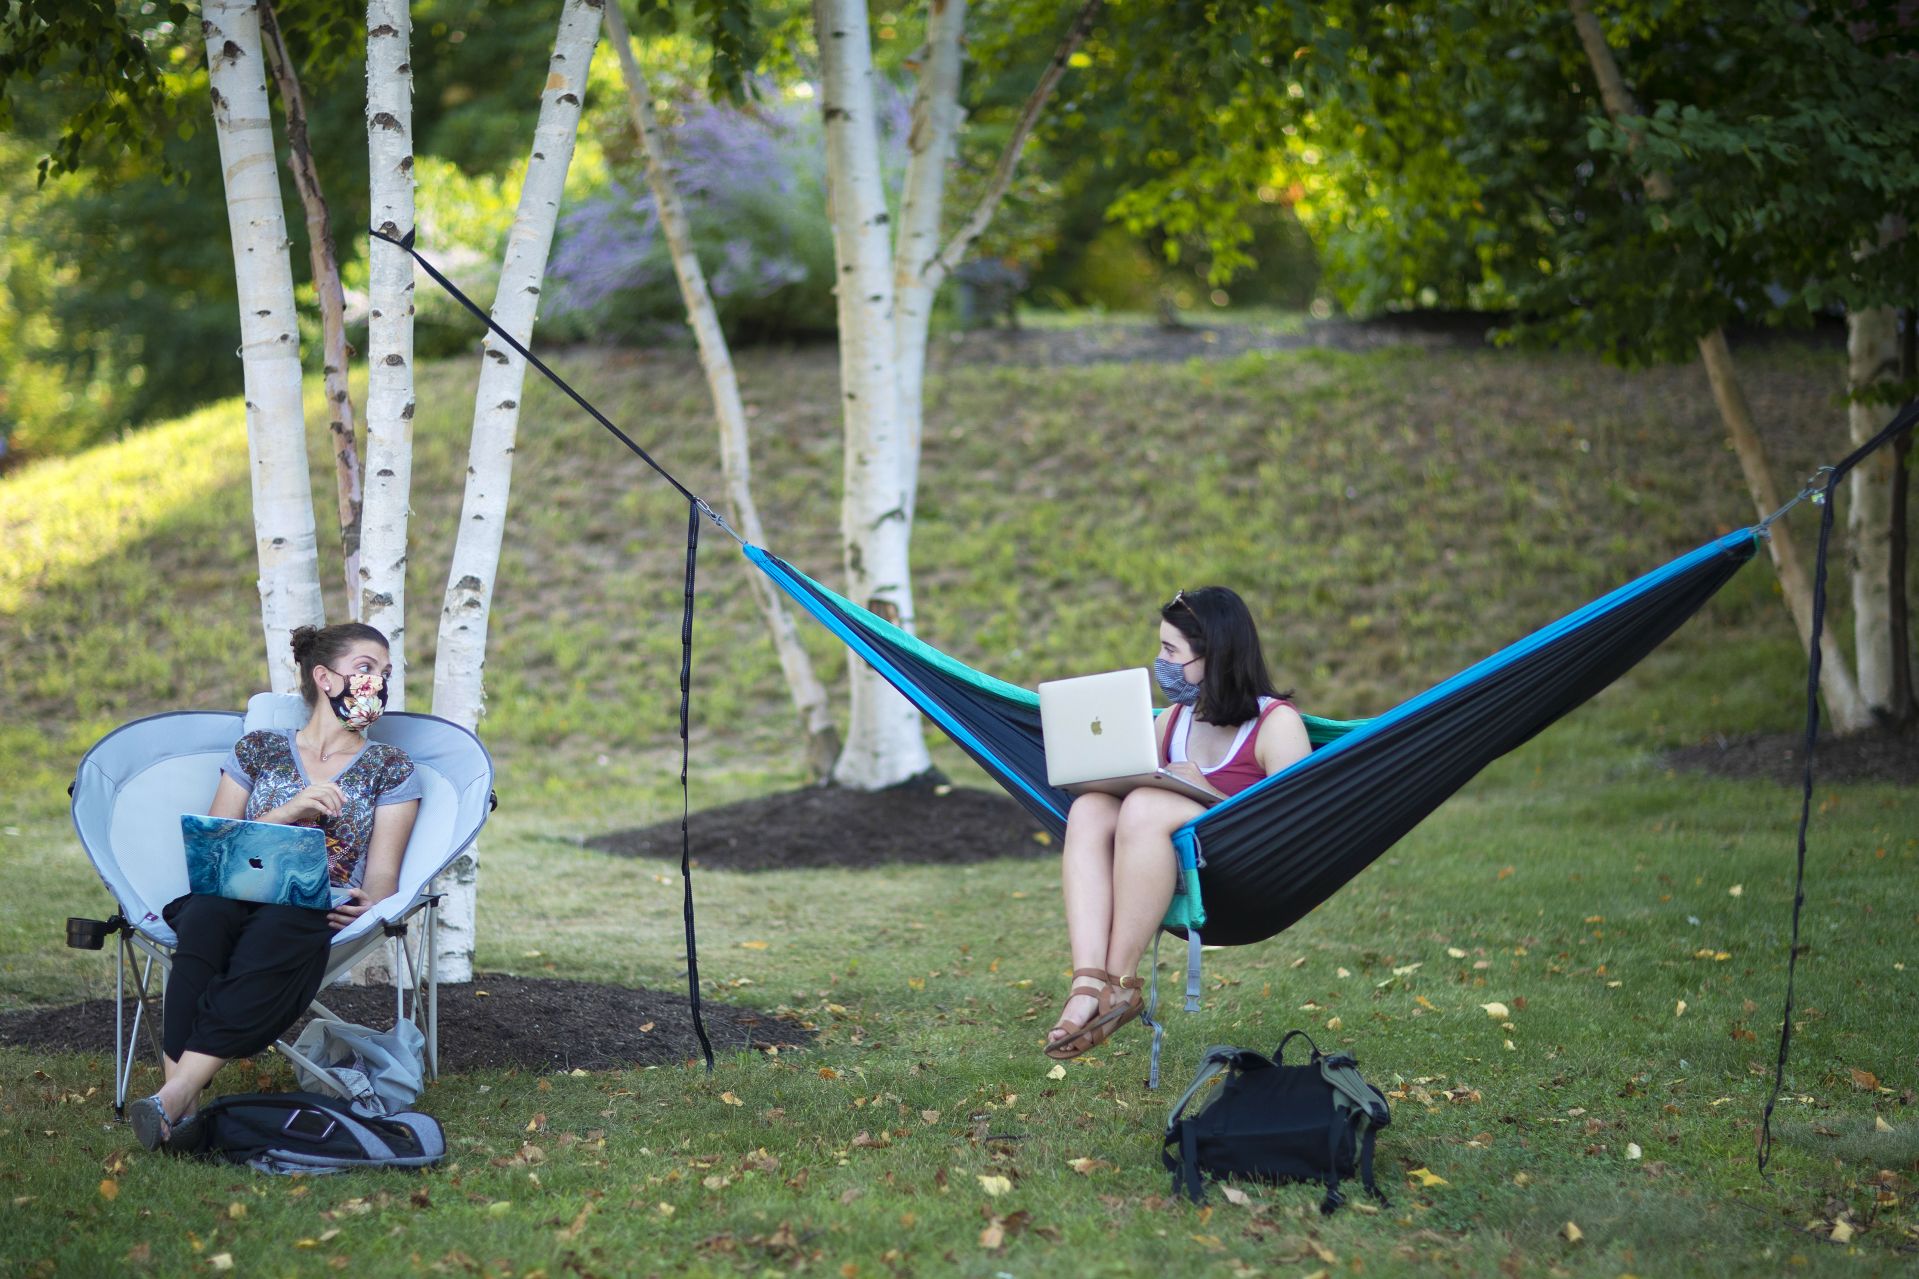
<point x="267" y="765"/>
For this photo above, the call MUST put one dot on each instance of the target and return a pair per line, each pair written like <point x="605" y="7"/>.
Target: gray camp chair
<point x="135" y="783"/>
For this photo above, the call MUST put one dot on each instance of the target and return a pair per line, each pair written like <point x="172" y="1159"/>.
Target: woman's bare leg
<point x="185" y="1078"/>
<point x="1086" y="877"/>
<point x="1145" y="870"/>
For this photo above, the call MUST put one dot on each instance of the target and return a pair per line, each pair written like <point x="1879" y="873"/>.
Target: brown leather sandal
<point x="1115" y="1009"/>
<point x="1070" y="1044"/>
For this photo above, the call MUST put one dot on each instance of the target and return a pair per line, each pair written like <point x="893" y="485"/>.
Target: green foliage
<point x="1455" y="153"/>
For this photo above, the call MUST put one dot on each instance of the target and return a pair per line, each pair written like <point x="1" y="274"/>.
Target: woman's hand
<point x="1187" y="771"/>
<point x="315" y="804"/>
<point x="349" y="910"/>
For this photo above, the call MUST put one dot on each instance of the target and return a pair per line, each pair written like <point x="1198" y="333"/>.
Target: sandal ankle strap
<point x="1099" y="975"/>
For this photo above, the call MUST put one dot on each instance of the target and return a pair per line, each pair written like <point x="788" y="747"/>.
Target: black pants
<point x="242" y="974"/>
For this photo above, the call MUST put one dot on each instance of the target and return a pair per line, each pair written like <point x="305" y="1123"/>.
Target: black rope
<point x="686" y="800"/>
<point x="1899" y="425"/>
<point x="406" y="242"/>
<point x="695" y="509"/>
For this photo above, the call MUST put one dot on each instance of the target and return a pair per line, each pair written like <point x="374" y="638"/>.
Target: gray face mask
<point x="1172" y="680"/>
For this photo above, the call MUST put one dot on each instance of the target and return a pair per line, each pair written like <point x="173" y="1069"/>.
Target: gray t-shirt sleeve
<point x="233" y="768"/>
<point x="403" y="790"/>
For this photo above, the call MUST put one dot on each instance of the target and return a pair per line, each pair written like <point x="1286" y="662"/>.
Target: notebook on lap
<point x="1098" y="735"/>
<point x="258" y="862"/>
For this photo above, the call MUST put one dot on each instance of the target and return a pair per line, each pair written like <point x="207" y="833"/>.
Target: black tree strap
<point x="1900" y="424"/>
<point x="695" y="509"/>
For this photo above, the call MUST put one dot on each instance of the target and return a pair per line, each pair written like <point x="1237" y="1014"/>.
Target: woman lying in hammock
<point x="245" y="971"/>
<point x="1228" y="728"/>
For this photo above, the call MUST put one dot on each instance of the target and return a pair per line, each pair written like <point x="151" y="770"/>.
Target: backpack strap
<point x="1368" y="1133"/>
<point x="1290" y="1036"/>
<point x="1218" y="1059"/>
<point x="1342" y="1073"/>
<point x="1335" y="1129"/>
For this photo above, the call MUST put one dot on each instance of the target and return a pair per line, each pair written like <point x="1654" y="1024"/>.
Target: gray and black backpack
<point x="1273" y="1122"/>
<point x="304" y="1132"/>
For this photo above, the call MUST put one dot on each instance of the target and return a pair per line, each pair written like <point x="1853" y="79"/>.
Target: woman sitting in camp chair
<point x="1228" y="728"/>
<point x="245" y="971"/>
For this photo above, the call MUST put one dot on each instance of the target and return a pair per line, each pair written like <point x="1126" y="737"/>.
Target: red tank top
<point x="1242" y="768"/>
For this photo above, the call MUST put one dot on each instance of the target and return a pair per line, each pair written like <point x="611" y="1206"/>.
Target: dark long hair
<point x="1219" y="627"/>
<point x="322" y="645"/>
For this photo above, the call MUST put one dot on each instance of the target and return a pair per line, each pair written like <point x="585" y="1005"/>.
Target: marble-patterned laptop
<point x="257" y="861"/>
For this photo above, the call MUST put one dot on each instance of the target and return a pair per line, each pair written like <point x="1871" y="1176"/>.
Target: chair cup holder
<point x="88" y="934"/>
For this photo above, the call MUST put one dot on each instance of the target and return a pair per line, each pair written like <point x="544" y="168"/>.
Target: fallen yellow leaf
<point x="1737" y="890"/>
<point x="1632" y="1150"/>
<point x="1427" y="1177"/>
<point x="993" y="1236"/>
<point x="752" y="945"/>
<point x="730" y="1099"/>
<point x="1841" y="1232"/>
<point x="1334" y="1023"/>
<point x="993" y="1184"/>
<point x="1057" y="1072"/>
<point x="221" y="1261"/>
<point x="1680" y="1009"/>
<point x="1572" y="1233"/>
<point x="1455" y="952"/>
<point x="1879" y="1124"/>
<point x="1234" y="1195"/>
<point x="1497" y="1011"/>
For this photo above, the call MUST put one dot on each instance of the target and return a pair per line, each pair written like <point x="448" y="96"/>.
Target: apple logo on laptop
<point x="1096" y="728"/>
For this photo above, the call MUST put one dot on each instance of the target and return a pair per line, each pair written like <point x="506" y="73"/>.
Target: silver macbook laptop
<point x="258" y="862"/>
<point x="1098" y="735"/>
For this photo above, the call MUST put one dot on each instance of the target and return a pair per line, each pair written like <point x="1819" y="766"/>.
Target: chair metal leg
<point x="431" y="943"/>
<point x="122" y="1056"/>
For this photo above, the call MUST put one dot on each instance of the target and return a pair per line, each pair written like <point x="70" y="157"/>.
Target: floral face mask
<point x="362" y="701"/>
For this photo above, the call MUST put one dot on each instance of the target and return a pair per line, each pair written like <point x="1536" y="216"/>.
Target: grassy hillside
<point x="1392" y="516"/>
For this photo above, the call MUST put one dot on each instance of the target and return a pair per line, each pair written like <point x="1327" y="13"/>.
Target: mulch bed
<point x="535" y="1023"/>
<point x="924" y="821"/>
<point x="1873" y="756"/>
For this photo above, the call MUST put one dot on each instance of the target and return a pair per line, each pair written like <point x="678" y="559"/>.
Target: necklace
<point x="327" y="755"/>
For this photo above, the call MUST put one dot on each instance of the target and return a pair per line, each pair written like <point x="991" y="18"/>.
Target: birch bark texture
<point x="459" y="665"/>
<point x="884" y="742"/>
<point x="381" y="588"/>
<point x="323" y="260"/>
<point x="917" y="269"/>
<point x="1872" y="359"/>
<point x="283" y="527"/>
<point x="729" y="410"/>
<point x="1843" y="702"/>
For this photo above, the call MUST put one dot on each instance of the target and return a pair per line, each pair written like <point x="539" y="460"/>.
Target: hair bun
<point x="304" y="638"/>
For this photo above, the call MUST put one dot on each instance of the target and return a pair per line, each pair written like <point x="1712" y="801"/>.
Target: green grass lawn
<point x="1393" y="515"/>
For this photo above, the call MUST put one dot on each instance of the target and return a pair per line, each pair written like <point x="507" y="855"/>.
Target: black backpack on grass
<point x="1274" y="1122"/>
<point x="304" y="1132"/>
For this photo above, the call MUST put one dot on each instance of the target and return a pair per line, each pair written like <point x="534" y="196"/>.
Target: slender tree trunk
<point x="884" y="742"/>
<point x="1872" y="358"/>
<point x="920" y="264"/>
<point x="269" y="334"/>
<point x="381" y="589"/>
<point x="917" y="272"/>
<point x="1843" y="702"/>
<point x="459" y="665"/>
<point x="324" y="262"/>
<point x="1903" y="693"/>
<point x="809" y="696"/>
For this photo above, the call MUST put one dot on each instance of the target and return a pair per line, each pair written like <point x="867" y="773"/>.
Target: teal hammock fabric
<point x="1256" y="863"/>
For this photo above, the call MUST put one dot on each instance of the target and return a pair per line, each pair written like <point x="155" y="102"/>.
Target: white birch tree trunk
<point x="389" y="401"/>
<point x="269" y="334"/>
<point x="809" y="696"/>
<point x="917" y="273"/>
<point x="324" y="263"/>
<point x="884" y="741"/>
<point x="1872" y="357"/>
<point x="460" y="664"/>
